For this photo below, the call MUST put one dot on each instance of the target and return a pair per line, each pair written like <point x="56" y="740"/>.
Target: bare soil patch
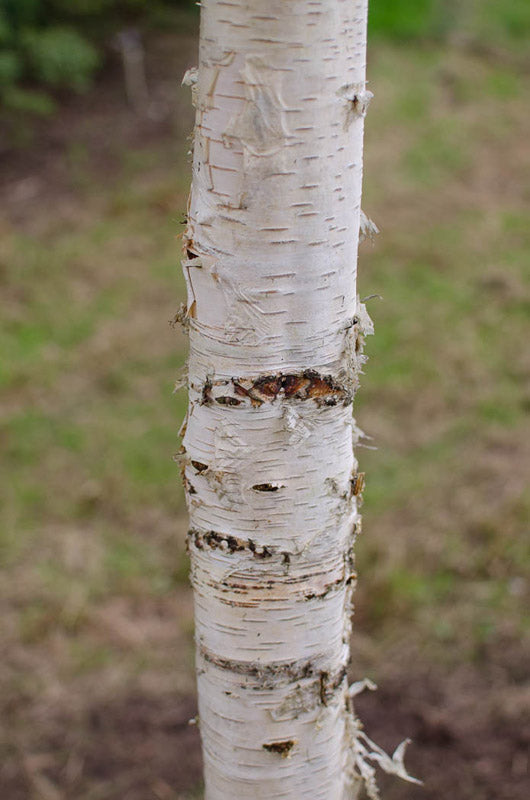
<point x="135" y="746"/>
<point x="470" y="733"/>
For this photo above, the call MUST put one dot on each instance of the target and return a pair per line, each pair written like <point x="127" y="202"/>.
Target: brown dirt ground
<point x="471" y="734"/>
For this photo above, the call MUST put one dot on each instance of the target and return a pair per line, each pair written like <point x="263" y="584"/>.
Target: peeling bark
<point x="276" y="337"/>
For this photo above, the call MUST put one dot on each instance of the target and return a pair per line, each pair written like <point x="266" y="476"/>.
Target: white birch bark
<point x="275" y="329"/>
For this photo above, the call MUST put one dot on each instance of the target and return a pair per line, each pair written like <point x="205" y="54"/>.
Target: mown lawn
<point x="96" y="679"/>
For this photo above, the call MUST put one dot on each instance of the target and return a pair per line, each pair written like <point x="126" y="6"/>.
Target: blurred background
<point x="96" y="673"/>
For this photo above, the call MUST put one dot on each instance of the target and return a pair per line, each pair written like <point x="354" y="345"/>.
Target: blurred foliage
<point x="60" y="43"/>
<point x="60" y="56"/>
<point x="492" y="24"/>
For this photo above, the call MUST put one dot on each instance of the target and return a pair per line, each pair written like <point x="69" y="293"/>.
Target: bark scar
<point x="306" y="385"/>
<point x="283" y="749"/>
<point x="356" y="98"/>
<point x="232" y="544"/>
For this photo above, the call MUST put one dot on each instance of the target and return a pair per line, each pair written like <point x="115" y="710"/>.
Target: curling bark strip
<point x="275" y="346"/>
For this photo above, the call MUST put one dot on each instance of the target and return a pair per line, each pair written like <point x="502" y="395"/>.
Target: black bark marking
<point x="231" y="544"/>
<point x="329" y="588"/>
<point x="206" y="394"/>
<point x="228" y="401"/>
<point x="281" y="748"/>
<point x="329" y="684"/>
<point x="267" y="487"/>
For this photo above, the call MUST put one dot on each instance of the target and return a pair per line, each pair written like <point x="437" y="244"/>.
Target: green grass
<point x="444" y="393"/>
<point x="89" y="363"/>
<point x="90" y="425"/>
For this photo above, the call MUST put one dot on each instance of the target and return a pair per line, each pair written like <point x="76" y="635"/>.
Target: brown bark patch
<point x="358" y="483"/>
<point x="306" y="385"/>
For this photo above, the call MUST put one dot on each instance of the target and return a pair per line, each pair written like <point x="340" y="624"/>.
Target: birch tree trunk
<point x="275" y="345"/>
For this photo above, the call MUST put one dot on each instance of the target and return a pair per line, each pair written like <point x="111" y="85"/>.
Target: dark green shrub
<point x="10" y="68"/>
<point x="60" y="57"/>
<point x="60" y="43"/>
